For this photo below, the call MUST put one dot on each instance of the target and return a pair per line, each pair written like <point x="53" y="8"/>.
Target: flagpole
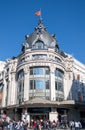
<point x="40" y="14"/>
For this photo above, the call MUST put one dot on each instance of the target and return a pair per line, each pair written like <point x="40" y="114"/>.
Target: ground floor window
<point x="82" y="114"/>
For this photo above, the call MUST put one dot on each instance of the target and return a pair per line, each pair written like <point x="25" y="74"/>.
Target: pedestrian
<point x="21" y="125"/>
<point x="17" y="127"/>
<point x="5" y="124"/>
<point x="10" y="125"/>
<point x="71" y="125"/>
<point x="76" y="125"/>
<point x="35" y="125"/>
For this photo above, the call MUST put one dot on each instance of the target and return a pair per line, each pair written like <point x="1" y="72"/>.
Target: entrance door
<point x="39" y="116"/>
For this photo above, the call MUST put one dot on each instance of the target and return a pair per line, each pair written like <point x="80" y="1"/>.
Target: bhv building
<point x="42" y="82"/>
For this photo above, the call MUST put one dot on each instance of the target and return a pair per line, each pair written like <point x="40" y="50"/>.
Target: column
<point x="53" y="115"/>
<point x="52" y="83"/>
<point x="9" y="90"/>
<point x="26" y="83"/>
<point x="4" y="94"/>
<point x="26" y="116"/>
<point x="13" y="89"/>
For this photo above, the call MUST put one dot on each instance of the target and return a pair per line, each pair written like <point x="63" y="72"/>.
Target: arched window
<point x="20" y="87"/>
<point x="58" y="73"/>
<point x="38" y="45"/>
<point x="20" y="74"/>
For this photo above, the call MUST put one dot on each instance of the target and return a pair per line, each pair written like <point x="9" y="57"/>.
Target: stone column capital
<point x="52" y="69"/>
<point x="26" y="69"/>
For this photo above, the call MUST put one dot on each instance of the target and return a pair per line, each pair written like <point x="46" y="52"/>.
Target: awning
<point x="67" y="102"/>
<point x="40" y="102"/>
<point x="13" y="106"/>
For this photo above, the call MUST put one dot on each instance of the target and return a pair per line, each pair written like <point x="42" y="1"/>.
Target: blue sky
<point x="65" y="18"/>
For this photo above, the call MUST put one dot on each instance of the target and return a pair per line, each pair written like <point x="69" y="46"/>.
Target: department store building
<point x="42" y="82"/>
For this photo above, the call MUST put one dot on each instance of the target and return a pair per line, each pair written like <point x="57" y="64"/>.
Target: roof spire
<point x="40" y="25"/>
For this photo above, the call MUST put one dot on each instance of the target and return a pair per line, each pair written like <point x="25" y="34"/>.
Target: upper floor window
<point x="39" y="84"/>
<point x="58" y="73"/>
<point x="38" y="45"/>
<point x="39" y="56"/>
<point x="20" y="74"/>
<point x="1" y="86"/>
<point x="39" y="71"/>
<point x="57" y="59"/>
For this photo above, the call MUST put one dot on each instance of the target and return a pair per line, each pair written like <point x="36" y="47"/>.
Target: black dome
<point x="40" y="34"/>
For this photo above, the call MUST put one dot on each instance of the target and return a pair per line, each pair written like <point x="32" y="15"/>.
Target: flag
<point x="38" y="13"/>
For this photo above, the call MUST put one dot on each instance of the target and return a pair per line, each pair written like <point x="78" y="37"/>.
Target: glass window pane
<point x="47" y="84"/>
<point x="56" y="85"/>
<point x="31" y="71"/>
<point x="1" y="86"/>
<point x="20" y="86"/>
<point x="60" y="86"/>
<point x="39" y="84"/>
<point x="60" y="74"/>
<point x="39" y="56"/>
<point x="47" y="71"/>
<point x="38" y="71"/>
<point x="31" y="84"/>
<point x="21" y="74"/>
<point x="39" y="45"/>
<point x="56" y="72"/>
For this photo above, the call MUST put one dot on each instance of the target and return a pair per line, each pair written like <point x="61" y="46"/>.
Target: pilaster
<point x="4" y="94"/>
<point x="13" y="89"/>
<point x="26" y="83"/>
<point x="52" y="82"/>
<point x="53" y="115"/>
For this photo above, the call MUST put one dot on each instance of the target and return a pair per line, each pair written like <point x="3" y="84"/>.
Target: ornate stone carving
<point x="26" y="69"/>
<point x="52" y="69"/>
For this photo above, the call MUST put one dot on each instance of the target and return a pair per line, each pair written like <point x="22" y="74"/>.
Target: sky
<point x="65" y="18"/>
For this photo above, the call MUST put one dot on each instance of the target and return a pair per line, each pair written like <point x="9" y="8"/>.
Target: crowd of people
<point x="75" y="124"/>
<point x="21" y="125"/>
<point x="13" y="125"/>
<point x="39" y="124"/>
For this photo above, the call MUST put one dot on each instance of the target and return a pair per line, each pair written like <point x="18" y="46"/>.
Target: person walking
<point x="71" y="124"/>
<point x="76" y="125"/>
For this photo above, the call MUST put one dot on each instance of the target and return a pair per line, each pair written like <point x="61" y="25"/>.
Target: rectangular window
<point x="60" y="86"/>
<point x="56" y="85"/>
<point x="56" y="72"/>
<point x="47" y="84"/>
<point x="47" y="71"/>
<point x="39" y="56"/>
<point x="31" y="84"/>
<point x="38" y="71"/>
<point x="20" y="86"/>
<point x="60" y="74"/>
<point x="31" y="71"/>
<point x="39" y="84"/>
<point x="1" y="86"/>
<point x="82" y="114"/>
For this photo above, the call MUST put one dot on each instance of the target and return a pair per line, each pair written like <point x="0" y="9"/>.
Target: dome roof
<point x="41" y="34"/>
